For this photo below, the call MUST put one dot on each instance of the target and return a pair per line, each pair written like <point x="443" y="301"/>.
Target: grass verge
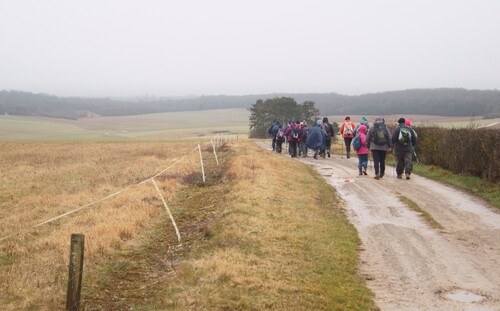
<point x="414" y="206"/>
<point x="475" y="185"/>
<point x="267" y="234"/>
<point x="484" y="189"/>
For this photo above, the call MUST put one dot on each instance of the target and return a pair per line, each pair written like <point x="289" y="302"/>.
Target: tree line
<point x="445" y="101"/>
<point x="265" y="112"/>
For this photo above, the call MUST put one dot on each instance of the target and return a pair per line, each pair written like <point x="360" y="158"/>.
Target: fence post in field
<point x="215" y="153"/>
<point x="75" y="272"/>
<point x="201" y="161"/>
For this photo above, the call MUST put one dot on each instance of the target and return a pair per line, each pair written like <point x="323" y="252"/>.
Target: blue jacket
<point x="316" y="138"/>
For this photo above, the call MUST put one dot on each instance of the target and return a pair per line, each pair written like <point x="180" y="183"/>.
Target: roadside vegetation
<point x="41" y="181"/>
<point x="267" y="234"/>
<point x="263" y="232"/>
<point x="489" y="191"/>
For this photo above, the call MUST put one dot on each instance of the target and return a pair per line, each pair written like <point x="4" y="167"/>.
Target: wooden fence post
<point x="75" y="272"/>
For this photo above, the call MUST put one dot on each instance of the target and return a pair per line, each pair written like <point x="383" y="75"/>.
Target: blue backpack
<point x="295" y="132"/>
<point x="356" y="143"/>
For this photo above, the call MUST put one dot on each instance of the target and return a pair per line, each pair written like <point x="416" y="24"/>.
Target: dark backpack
<point x="328" y="131"/>
<point x="404" y="136"/>
<point x="295" y="132"/>
<point x="304" y="131"/>
<point x="379" y="135"/>
<point x="356" y="143"/>
<point x="275" y="129"/>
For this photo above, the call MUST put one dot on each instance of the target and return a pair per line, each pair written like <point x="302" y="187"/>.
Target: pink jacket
<point x="362" y="137"/>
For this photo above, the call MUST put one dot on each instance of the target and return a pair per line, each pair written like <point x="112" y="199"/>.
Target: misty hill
<point x="446" y="102"/>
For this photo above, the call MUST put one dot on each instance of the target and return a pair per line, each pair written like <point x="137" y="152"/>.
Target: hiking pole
<point x="416" y="158"/>
<point x="395" y="162"/>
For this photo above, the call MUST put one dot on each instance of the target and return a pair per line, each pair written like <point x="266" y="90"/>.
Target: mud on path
<point x="408" y="264"/>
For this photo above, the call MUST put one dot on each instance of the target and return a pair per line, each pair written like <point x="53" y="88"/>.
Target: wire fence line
<point x="216" y="142"/>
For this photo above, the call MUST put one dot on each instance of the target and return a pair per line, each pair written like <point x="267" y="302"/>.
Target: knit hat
<point x="364" y="119"/>
<point x="408" y="122"/>
<point x="401" y="120"/>
<point x="347" y="118"/>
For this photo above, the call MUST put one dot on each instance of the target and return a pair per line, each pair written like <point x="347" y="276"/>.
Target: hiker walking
<point x="379" y="143"/>
<point x="408" y="123"/>
<point x="280" y="138"/>
<point x="273" y="131"/>
<point x="404" y="139"/>
<point x="292" y="132"/>
<point x="347" y="131"/>
<point x="316" y="139"/>
<point x="329" y="135"/>
<point x="363" y="151"/>
<point x="304" y="132"/>
<point x="363" y="121"/>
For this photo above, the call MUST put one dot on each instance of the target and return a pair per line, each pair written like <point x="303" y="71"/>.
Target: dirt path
<point x="407" y="264"/>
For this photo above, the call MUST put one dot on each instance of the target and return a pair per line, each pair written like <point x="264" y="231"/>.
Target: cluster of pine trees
<point x="264" y="113"/>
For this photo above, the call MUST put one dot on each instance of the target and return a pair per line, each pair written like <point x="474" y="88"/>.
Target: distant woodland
<point x="445" y="102"/>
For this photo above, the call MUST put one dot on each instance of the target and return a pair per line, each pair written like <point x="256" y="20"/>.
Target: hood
<point x="379" y="120"/>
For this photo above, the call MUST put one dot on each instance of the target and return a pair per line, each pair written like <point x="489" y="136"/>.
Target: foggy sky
<point x="191" y="47"/>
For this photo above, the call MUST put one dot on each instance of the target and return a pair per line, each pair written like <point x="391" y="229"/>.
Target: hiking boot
<point x="364" y="173"/>
<point x="377" y="177"/>
<point x="399" y="176"/>
<point x="382" y="175"/>
<point x="407" y="175"/>
<point x="328" y="154"/>
<point x="360" y="174"/>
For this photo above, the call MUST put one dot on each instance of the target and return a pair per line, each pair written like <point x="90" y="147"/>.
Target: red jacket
<point x="343" y="129"/>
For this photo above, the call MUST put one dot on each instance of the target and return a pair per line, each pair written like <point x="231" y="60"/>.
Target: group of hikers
<point x="361" y="137"/>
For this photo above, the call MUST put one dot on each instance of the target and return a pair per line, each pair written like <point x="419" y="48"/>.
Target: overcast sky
<point x="191" y="47"/>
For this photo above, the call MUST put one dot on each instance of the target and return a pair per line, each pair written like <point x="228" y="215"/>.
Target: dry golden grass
<point x="269" y="236"/>
<point x="40" y="181"/>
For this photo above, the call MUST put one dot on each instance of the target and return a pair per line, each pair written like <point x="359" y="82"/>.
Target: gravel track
<point x="408" y="264"/>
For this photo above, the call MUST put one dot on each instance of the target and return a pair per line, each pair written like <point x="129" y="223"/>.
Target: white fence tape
<point x="168" y="210"/>
<point x="123" y="190"/>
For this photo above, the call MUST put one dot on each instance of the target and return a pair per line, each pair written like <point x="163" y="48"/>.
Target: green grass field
<point x="170" y="125"/>
<point x="158" y="126"/>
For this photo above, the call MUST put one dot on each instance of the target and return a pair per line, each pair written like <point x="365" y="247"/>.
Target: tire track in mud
<point x="408" y="264"/>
